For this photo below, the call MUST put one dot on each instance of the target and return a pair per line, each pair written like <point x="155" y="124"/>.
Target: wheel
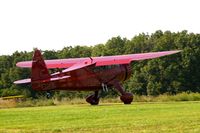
<point x="127" y="98"/>
<point x="92" y="100"/>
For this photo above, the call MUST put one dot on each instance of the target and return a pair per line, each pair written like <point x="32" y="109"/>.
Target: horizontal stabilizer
<point x="25" y="81"/>
<point x="51" y="79"/>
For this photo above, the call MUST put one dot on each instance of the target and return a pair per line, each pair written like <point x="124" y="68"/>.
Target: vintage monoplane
<point x="85" y="74"/>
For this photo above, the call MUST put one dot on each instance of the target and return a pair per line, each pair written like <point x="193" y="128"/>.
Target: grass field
<point x="118" y="118"/>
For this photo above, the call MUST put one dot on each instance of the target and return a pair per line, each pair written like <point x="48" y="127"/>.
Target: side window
<point x="103" y="68"/>
<point x="98" y="69"/>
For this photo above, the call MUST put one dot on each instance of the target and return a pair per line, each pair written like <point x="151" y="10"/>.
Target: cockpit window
<point x="103" y="68"/>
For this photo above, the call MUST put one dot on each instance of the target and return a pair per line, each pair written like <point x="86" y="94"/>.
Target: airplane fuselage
<point x="88" y="78"/>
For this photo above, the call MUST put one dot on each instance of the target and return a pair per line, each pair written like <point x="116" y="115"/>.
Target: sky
<point x="54" y="24"/>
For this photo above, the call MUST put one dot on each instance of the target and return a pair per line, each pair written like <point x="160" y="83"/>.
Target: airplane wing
<point x="126" y="59"/>
<point x="100" y="61"/>
<point x="57" y="63"/>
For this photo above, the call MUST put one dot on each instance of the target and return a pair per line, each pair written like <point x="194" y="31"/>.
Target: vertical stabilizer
<point x="39" y="70"/>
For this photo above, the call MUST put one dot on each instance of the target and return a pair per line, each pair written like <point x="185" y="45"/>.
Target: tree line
<point x="166" y="75"/>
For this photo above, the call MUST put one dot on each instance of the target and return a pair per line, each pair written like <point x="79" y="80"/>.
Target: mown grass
<point x="118" y="118"/>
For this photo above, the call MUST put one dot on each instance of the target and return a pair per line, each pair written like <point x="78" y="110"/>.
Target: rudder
<point x="39" y="70"/>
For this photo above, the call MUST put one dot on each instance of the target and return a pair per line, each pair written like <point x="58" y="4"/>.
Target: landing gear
<point x="93" y="99"/>
<point x="125" y="97"/>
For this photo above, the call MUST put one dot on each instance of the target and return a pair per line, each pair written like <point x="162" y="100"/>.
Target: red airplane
<point x="85" y="74"/>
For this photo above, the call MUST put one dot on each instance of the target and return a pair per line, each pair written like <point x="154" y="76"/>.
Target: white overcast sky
<point x="53" y="24"/>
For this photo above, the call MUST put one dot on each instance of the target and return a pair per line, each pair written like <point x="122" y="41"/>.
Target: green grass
<point x="118" y="118"/>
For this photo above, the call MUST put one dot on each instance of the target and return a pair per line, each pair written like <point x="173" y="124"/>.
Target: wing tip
<point x="18" y="64"/>
<point x="177" y="51"/>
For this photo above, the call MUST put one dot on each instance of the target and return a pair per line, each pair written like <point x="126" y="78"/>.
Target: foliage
<point x="166" y="75"/>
